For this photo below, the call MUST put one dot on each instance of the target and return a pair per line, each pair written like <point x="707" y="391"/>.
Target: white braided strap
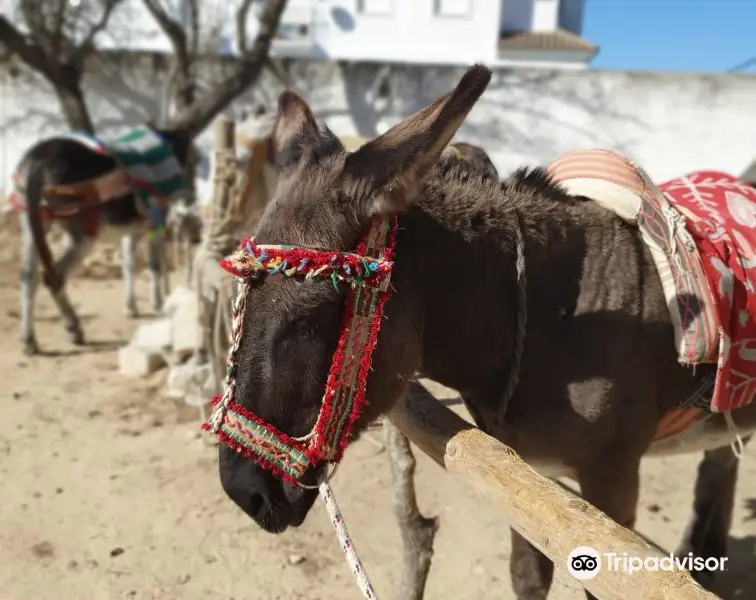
<point x="238" y="305"/>
<point x="346" y="543"/>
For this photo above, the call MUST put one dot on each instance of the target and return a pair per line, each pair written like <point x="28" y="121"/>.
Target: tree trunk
<point x="184" y="97"/>
<point x="185" y="93"/>
<point x="67" y="85"/>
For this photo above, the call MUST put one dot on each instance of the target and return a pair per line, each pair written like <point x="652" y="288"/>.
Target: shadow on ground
<point x="739" y="580"/>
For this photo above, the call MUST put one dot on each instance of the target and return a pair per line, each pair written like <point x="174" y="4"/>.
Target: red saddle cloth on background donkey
<point x="701" y="231"/>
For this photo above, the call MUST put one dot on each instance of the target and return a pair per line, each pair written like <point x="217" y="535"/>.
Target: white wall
<point x="670" y="124"/>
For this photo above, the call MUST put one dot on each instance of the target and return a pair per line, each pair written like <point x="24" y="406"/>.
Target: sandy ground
<point x="109" y="492"/>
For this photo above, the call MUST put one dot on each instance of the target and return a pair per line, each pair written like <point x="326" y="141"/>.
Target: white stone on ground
<point x="176" y="298"/>
<point x="139" y="362"/>
<point x="186" y="336"/>
<point x="155" y="336"/>
<point x="170" y="340"/>
<point x="190" y="379"/>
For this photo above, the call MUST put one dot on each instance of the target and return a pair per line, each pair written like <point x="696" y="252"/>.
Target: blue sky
<point x="672" y="35"/>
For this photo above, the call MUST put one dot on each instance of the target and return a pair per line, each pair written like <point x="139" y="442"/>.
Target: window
<point x="453" y="8"/>
<point x="376" y="7"/>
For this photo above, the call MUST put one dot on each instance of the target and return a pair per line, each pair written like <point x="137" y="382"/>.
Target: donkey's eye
<point x="305" y="323"/>
<point x="300" y="325"/>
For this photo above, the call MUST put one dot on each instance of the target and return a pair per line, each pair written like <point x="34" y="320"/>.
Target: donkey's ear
<point x="385" y="174"/>
<point x="295" y="130"/>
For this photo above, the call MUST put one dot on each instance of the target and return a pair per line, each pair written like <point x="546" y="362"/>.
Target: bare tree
<point x="59" y="37"/>
<point x="186" y="36"/>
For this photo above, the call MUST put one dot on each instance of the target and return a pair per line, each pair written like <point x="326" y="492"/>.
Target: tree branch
<point x="198" y="116"/>
<point x="51" y="50"/>
<point x="19" y="45"/>
<point x="172" y="29"/>
<point x="87" y="45"/>
<point x="241" y="26"/>
<point x="195" y="28"/>
<point x="57" y="28"/>
<point x="35" y="21"/>
<point x="185" y="44"/>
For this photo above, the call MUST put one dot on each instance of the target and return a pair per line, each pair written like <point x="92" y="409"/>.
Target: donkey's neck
<point x="457" y="254"/>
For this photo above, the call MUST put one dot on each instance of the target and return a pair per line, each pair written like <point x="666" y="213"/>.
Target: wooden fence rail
<point x="551" y="517"/>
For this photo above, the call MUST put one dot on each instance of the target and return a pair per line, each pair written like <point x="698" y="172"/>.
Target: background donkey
<point x="598" y="367"/>
<point x="473" y="156"/>
<point x="66" y="162"/>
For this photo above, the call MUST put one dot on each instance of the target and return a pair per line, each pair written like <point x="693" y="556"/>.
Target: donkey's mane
<point x="465" y="200"/>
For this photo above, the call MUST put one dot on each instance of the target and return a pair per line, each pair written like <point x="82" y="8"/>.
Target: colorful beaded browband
<point x="367" y="270"/>
<point x="253" y="260"/>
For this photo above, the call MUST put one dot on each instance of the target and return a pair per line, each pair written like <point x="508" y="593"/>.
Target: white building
<point x="504" y="33"/>
<point x="496" y="32"/>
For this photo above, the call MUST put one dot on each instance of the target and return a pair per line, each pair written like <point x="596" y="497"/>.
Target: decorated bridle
<point x="367" y="271"/>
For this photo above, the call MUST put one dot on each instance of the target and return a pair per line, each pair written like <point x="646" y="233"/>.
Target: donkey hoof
<point x="30" y="347"/>
<point x="76" y="335"/>
<point x="704" y="578"/>
<point x="131" y="312"/>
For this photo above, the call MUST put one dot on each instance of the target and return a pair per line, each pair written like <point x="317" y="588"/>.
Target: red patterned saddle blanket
<point x="701" y="231"/>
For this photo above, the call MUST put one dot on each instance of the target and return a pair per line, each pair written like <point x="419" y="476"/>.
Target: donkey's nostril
<point x="250" y="487"/>
<point x="255" y="504"/>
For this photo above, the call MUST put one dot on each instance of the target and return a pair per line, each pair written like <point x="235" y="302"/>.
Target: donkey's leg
<point x="28" y="281"/>
<point x="613" y="486"/>
<point x="708" y="529"/>
<point x="531" y="571"/>
<point x="188" y="260"/>
<point x="155" y="266"/>
<point x="166" y="271"/>
<point x="128" y="241"/>
<point x="75" y="247"/>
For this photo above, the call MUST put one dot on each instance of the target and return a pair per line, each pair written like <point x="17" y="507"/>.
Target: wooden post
<point x="209" y="276"/>
<point x="223" y="146"/>
<point x="549" y="516"/>
<point x="418" y="532"/>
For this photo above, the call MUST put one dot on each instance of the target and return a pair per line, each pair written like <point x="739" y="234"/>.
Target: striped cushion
<point x="617" y="183"/>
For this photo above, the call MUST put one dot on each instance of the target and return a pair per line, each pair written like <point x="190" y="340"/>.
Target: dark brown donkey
<point x="598" y="369"/>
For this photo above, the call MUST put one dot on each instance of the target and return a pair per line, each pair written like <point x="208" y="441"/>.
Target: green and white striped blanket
<point x="150" y="163"/>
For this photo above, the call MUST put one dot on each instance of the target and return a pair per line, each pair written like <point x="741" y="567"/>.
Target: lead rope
<point x="522" y="320"/>
<point x="737" y="445"/>
<point x="324" y="487"/>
